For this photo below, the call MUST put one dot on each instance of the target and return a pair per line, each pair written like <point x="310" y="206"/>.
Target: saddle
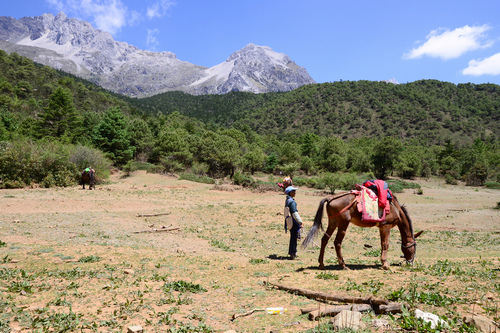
<point x="369" y="205"/>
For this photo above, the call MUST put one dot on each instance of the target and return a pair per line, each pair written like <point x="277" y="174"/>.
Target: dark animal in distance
<point x="342" y="210"/>
<point x="88" y="177"/>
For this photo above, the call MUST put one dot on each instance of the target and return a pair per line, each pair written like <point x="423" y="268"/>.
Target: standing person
<point x="296" y="229"/>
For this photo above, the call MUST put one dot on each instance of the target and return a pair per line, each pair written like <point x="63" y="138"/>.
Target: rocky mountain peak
<point x="76" y="47"/>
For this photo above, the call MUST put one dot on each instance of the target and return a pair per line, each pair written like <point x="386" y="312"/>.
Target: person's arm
<point x="297" y="218"/>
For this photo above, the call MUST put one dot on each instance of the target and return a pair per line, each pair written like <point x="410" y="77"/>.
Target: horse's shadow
<point x="335" y="267"/>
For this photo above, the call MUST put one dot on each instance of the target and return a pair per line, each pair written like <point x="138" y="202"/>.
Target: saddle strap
<point x="345" y="209"/>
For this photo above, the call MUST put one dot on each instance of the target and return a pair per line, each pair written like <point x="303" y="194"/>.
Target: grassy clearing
<point x="72" y="261"/>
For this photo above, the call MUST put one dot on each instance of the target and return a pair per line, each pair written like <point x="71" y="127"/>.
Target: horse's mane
<point x="410" y="223"/>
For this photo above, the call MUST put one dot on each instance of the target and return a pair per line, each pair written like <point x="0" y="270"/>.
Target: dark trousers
<point x="294" y="234"/>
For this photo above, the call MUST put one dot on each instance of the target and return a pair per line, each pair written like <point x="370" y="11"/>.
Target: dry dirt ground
<point x="73" y="258"/>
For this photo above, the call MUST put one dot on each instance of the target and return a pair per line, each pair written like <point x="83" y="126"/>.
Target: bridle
<point x="409" y="246"/>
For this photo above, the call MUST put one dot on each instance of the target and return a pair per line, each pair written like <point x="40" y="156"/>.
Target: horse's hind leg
<point x="338" y="243"/>
<point x="332" y="225"/>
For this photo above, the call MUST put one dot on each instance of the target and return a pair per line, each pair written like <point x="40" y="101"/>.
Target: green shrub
<point x="200" y="169"/>
<point x="397" y="185"/>
<point x="132" y="166"/>
<point x="300" y="181"/>
<point x="344" y="181"/>
<point x="198" y="179"/>
<point x="84" y="157"/>
<point x="243" y="180"/>
<point x="493" y="185"/>
<point x="48" y="163"/>
<point x="450" y="180"/>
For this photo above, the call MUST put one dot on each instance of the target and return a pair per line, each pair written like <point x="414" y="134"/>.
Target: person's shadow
<point x="276" y="257"/>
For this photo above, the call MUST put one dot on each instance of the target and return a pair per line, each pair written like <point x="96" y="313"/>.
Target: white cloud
<point x="58" y="5"/>
<point x="107" y="15"/>
<point x="151" y="40"/>
<point x="448" y="44"/>
<point x="488" y="66"/>
<point x="160" y="8"/>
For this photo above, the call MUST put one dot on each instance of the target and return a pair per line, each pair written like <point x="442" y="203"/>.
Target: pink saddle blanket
<point x="367" y="203"/>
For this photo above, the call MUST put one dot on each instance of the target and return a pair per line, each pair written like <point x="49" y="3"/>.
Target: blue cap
<point x="290" y="189"/>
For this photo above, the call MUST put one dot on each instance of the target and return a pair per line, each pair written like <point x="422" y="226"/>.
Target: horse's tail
<point x="317" y="226"/>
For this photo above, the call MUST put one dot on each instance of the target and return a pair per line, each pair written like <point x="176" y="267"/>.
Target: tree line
<point x="421" y="129"/>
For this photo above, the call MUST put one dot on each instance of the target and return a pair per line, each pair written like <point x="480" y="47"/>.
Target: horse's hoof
<point x="322" y="267"/>
<point x="345" y="268"/>
<point x="386" y="267"/>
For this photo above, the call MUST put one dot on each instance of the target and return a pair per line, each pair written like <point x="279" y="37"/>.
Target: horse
<point x="88" y="176"/>
<point x="342" y="210"/>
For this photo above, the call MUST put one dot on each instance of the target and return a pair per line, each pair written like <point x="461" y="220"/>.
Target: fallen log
<point x="149" y="215"/>
<point x="244" y="314"/>
<point x="330" y="297"/>
<point x="334" y="310"/>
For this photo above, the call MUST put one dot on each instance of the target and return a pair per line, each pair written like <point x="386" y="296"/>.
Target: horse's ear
<point x="418" y="234"/>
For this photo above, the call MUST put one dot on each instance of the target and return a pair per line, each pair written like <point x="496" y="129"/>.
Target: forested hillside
<point x="53" y="125"/>
<point x="429" y="111"/>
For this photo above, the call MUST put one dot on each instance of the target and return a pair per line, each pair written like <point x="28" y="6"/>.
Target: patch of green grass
<point x="2" y="244"/>
<point x="373" y="253"/>
<point x="258" y="261"/>
<point x="173" y="300"/>
<point x="371" y="286"/>
<point x="91" y="258"/>
<point x="415" y="296"/>
<point x="327" y="276"/>
<point x="183" y="286"/>
<point x="59" y="302"/>
<point x="20" y="286"/>
<point x="220" y="245"/>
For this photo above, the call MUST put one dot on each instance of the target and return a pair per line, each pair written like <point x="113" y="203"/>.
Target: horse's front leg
<point x="385" y="232"/>
<point x="332" y="225"/>
<point x="338" y="242"/>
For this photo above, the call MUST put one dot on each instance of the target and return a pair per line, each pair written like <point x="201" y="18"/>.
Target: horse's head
<point x="410" y="249"/>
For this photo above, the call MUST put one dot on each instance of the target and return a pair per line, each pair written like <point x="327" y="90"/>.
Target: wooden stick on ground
<point x="330" y="297"/>
<point x="163" y="228"/>
<point x="149" y="215"/>
<point x="245" y="314"/>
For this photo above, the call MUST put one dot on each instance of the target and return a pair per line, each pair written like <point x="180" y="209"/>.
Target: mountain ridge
<point x="76" y="47"/>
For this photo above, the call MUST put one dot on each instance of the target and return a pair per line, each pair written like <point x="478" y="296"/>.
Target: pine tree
<point x="112" y="137"/>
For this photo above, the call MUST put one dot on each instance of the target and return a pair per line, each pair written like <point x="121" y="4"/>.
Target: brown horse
<point x="342" y="210"/>
<point x="89" y="177"/>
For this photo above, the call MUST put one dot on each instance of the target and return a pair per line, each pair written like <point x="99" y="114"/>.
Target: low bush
<point x="132" y="166"/>
<point x="397" y="185"/>
<point x="493" y="185"/>
<point x="198" y="179"/>
<point x="243" y="180"/>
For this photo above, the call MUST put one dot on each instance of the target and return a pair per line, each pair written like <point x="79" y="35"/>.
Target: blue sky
<point x="454" y="41"/>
